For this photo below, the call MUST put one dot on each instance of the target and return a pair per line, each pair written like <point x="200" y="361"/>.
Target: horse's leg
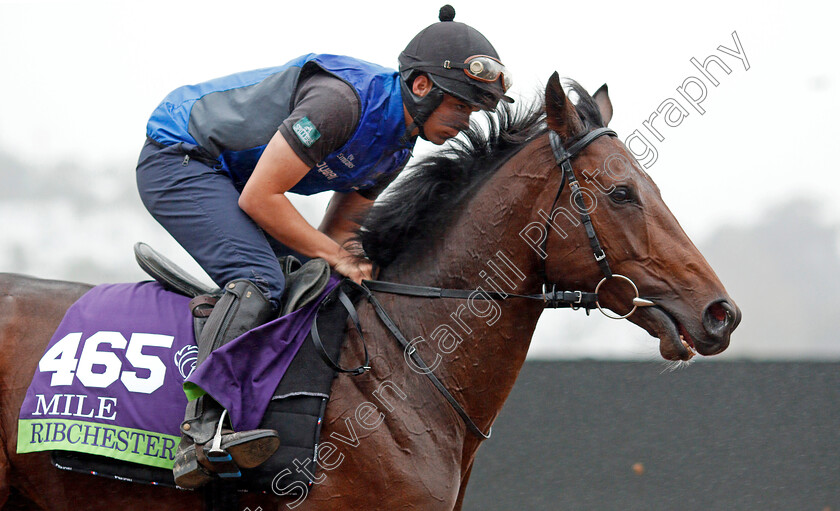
<point x="395" y="443"/>
<point x="463" y="490"/>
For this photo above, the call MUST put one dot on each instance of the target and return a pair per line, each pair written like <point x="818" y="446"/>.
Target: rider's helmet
<point x="459" y="60"/>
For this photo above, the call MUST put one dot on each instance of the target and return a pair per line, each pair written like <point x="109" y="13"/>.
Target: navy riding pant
<point x="198" y="205"/>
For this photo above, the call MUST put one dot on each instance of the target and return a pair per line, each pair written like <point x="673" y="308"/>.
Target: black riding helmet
<point x="459" y="60"/>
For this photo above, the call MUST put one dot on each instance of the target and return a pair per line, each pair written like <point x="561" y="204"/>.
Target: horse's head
<point x="640" y="236"/>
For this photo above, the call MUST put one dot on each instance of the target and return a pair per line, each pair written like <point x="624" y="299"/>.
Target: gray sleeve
<point x="331" y="107"/>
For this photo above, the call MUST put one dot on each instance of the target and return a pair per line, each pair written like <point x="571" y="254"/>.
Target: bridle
<point x="564" y="157"/>
<point x="551" y="299"/>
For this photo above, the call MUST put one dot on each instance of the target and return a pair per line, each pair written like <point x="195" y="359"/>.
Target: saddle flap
<point x="168" y="274"/>
<point x="305" y="284"/>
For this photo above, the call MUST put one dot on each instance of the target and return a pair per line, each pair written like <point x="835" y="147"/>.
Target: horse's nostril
<point x="718" y="312"/>
<point x="719" y="318"/>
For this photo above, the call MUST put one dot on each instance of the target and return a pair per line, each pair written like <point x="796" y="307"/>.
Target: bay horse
<point x="490" y="215"/>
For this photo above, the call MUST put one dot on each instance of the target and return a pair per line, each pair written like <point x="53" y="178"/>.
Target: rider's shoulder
<point x="321" y="90"/>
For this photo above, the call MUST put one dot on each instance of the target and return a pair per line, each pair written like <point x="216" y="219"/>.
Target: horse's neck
<point x="481" y="250"/>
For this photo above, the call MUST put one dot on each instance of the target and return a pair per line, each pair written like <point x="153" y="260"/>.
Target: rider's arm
<point x="343" y="215"/>
<point x="346" y="210"/>
<point x="264" y="200"/>
<point x="333" y="107"/>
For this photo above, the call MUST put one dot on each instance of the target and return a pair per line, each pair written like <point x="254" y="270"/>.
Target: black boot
<point x="241" y="308"/>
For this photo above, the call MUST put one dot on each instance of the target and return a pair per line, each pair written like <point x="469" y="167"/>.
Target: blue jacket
<point x="232" y="119"/>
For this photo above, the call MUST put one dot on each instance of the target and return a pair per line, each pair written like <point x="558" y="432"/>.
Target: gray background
<point x="714" y="436"/>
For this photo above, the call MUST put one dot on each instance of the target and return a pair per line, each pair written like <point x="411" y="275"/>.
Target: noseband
<point x="551" y="299"/>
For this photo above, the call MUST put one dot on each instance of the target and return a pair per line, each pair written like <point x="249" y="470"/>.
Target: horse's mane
<point x="419" y="207"/>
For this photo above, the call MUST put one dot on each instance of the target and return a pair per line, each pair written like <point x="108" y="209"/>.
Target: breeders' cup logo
<point x="185" y="360"/>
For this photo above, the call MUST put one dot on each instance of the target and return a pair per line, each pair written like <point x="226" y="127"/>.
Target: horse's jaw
<point x="674" y="341"/>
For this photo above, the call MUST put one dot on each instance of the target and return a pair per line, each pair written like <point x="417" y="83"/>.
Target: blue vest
<point x="232" y="119"/>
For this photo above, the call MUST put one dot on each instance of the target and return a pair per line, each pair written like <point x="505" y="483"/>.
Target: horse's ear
<point x="561" y="115"/>
<point x="602" y="99"/>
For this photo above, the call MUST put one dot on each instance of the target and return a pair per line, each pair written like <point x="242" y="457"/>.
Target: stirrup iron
<point x="216" y="454"/>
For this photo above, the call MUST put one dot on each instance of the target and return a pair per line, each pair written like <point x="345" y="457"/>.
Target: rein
<point x="551" y="299"/>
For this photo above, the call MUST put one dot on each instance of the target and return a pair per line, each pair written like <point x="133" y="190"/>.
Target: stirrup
<point x="192" y="469"/>
<point x="216" y="454"/>
<point x="238" y="449"/>
<point x="228" y="452"/>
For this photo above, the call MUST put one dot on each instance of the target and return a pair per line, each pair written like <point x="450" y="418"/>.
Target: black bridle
<point x="564" y="157"/>
<point x="551" y="299"/>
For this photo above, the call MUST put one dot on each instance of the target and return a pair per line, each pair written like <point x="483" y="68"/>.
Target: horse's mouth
<point x="686" y="341"/>
<point x="675" y="343"/>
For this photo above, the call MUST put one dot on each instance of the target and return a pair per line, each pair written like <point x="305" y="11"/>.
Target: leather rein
<point x="551" y="297"/>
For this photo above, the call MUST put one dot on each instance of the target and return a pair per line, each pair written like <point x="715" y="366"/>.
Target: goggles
<point x="484" y="69"/>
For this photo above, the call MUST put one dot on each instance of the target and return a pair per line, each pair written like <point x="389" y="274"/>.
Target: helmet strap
<point x="420" y="108"/>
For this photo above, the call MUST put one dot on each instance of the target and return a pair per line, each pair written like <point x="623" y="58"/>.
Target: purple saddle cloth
<point x="111" y="381"/>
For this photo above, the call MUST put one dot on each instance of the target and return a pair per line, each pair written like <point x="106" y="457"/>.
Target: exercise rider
<point x="221" y="155"/>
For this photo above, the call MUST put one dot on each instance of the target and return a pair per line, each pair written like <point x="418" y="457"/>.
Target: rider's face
<point x="448" y="119"/>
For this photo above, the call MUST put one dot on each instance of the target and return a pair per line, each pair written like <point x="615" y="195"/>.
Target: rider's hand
<point x="355" y="268"/>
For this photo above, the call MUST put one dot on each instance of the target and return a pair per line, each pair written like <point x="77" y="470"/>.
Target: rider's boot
<point x="241" y="308"/>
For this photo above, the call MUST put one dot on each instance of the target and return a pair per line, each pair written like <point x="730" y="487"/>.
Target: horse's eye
<point x="621" y="195"/>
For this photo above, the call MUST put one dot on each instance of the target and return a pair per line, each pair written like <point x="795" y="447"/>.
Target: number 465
<point x="61" y="360"/>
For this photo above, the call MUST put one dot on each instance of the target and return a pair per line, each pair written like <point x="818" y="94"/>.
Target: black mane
<point x="419" y="207"/>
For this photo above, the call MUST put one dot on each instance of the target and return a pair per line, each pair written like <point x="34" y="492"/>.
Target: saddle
<point x="304" y="282"/>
